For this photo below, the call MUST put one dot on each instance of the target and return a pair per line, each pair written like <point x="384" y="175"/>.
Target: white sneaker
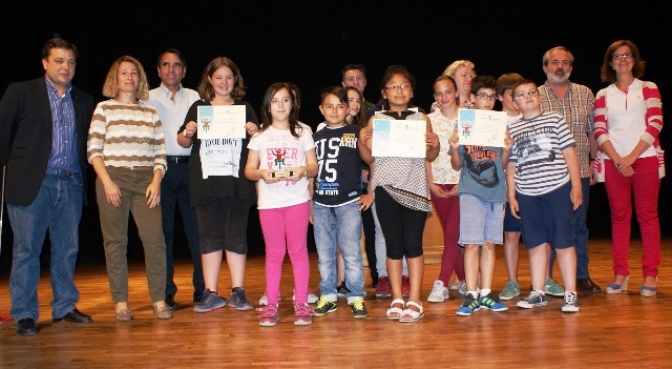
<point x="312" y="298"/>
<point x="439" y="292"/>
<point x="263" y="300"/>
<point x="463" y="288"/>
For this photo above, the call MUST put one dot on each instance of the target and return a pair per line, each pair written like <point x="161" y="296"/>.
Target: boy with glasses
<point x="544" y="189"/>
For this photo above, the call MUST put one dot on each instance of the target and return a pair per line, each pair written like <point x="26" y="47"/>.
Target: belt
<point x="60" y="172"/>
<point x="138" y="168"/>
<point x="177" y="159"/>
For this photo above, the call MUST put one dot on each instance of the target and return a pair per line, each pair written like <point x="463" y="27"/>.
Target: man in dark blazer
<point x="43" y="131"/>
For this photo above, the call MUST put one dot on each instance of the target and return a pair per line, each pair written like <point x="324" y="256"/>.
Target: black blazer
<point x="25" y="136"/>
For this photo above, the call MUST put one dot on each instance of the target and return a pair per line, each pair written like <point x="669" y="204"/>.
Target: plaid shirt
<point x="577" y="108"/>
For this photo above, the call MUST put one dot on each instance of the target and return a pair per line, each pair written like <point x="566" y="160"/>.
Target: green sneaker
<point x="510" y="291"/>
<point x="324" y="306"/>
<point x="358" y="308"/>
<point x="553" y="288"/>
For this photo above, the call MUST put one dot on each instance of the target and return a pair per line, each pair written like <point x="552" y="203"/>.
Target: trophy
<point x="279" y="161"/>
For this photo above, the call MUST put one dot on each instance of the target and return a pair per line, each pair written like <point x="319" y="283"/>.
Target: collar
<point x="167" y="93"/>
<point x="52" y="89"/>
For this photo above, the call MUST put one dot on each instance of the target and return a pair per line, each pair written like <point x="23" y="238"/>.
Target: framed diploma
<point x="221" y="121"/>
<point x="399" y="138"/>
<point x="481" y="127"/>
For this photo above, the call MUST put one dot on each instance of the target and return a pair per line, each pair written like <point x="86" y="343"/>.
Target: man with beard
<point x="575" y="103"/>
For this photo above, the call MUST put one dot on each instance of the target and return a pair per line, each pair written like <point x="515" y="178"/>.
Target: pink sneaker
<point x="303" y="314"/>
<point x="384" y="290"/>
<point x="269" y="317"/>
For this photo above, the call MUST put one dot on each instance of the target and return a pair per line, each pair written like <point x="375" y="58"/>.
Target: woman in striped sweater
<point x="628" y="121"/>
<point x="127" y="151"/>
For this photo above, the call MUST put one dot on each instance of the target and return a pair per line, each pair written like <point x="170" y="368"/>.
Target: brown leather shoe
<point x="587" y="285"/>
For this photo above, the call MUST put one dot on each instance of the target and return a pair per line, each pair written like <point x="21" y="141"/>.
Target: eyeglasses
<point x="525" y="95"/>
<point x="484" y="96"/>
<point x="621" y="56"/>
<point x="403" y="87"/>
<point x="465" y="75"/>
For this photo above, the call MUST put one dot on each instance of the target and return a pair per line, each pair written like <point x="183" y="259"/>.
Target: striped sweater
<point x="610" y="101"/>
<point x="127" y="135"/>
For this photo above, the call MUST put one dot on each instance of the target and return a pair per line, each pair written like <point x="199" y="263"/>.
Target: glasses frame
<point x="526" y="95"/>
<point x="624" y="56"/>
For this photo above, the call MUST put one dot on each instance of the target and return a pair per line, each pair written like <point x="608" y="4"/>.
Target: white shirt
<point x="172" y="114"/>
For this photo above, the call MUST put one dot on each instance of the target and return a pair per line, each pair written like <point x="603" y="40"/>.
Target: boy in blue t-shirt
<point x="337" y="202"/>
<point x="482" y="193"/>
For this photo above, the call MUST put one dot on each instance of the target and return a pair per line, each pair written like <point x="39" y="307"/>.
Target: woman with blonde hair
<point x="127" y="151"/>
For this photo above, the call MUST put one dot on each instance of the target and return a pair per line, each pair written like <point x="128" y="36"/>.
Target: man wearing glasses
<point x="575" y="103"/>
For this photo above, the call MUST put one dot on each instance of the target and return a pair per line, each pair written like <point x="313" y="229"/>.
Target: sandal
<point x="395" y="312"/>
<point x="410" y="315"/>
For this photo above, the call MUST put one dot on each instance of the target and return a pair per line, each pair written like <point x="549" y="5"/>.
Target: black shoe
<point x="75" y="316"/>
<point x="587" y="285"/>
<point x="198" y="296"/>
<point x="341" y="290"/>
<point x="26" y="327"/>
<point x="170" y="301"/>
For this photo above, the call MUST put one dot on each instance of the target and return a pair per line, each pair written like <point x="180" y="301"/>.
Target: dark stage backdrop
<point x="308" y="42"/>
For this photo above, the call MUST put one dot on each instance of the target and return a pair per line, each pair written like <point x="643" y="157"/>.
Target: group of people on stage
<point x="145" y="149"/>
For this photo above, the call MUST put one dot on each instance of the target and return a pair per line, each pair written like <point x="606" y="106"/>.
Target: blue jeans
<point x="581" y="233"/>
<point x="339" y="227"/>
<point x="57" y="208"/>
<point x="175" y="190"/>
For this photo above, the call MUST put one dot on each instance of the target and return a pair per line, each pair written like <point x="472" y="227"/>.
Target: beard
<point x="559" y="76"/>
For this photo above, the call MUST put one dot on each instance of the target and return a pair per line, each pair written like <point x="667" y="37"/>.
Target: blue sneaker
<point x="490" y="302"/>
<point x="239" y="301"/>
<point x="470" y="305"/>
<point x="209" y="302"/>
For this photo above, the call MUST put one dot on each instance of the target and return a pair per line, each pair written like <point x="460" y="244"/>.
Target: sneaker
<point x="470" y="305"/>
<point x="510" y="291"/>
<point x="384" y="289"/>
<point x="324" y="306"/>
<point x="263" y="300"/>
<point x="311" y="299"/>
<point x="342" y="290"/>
<point x="490" y="302"/>
<point x="455" y="286"/>
<point x="553" y="288"/>
<point x="571" y="304"/>
<point x="534" y="299"/>
<point x="439" y="292"/>
<point x="269" y="317"/>
<point x="405" y="286"/>
<point x="358" y="309"/>
<point x="209" y="302"/>
<point x="463" y="288"/>
<point x="303" y="314"/>
<point x="239" y="301"/>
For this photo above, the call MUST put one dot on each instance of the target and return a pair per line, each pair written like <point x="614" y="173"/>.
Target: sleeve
<point x="600" y="125"/>
<point x="97" y="132"/>
<point x="160" y="162"/>
<point x="565" y="137"/>
<point x="654" y="113"/>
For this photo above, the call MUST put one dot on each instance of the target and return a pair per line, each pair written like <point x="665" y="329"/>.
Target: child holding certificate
<point x="482" y="193"/>
<point x="399" y="185"/>
<point x="443" y="184"/>
<point x="337" y="202"/>
<point x="220" y="195"/>
<point x="281" y="158"/>
<point x="544" y="189"/>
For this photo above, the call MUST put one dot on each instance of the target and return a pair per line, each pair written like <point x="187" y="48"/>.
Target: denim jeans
<point x="57" y="208"/>
<point x="381" y="249"/>
<point x="339" y="227"/>
<point x="175" y="190"/>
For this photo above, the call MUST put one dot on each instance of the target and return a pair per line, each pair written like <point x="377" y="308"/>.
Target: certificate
<point x="399" y="138"/>
<point x="221" y="121"/>
<point x="481" y="127"/>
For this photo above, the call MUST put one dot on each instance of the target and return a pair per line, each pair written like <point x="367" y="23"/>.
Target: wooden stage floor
<point x="615" y="331"/>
